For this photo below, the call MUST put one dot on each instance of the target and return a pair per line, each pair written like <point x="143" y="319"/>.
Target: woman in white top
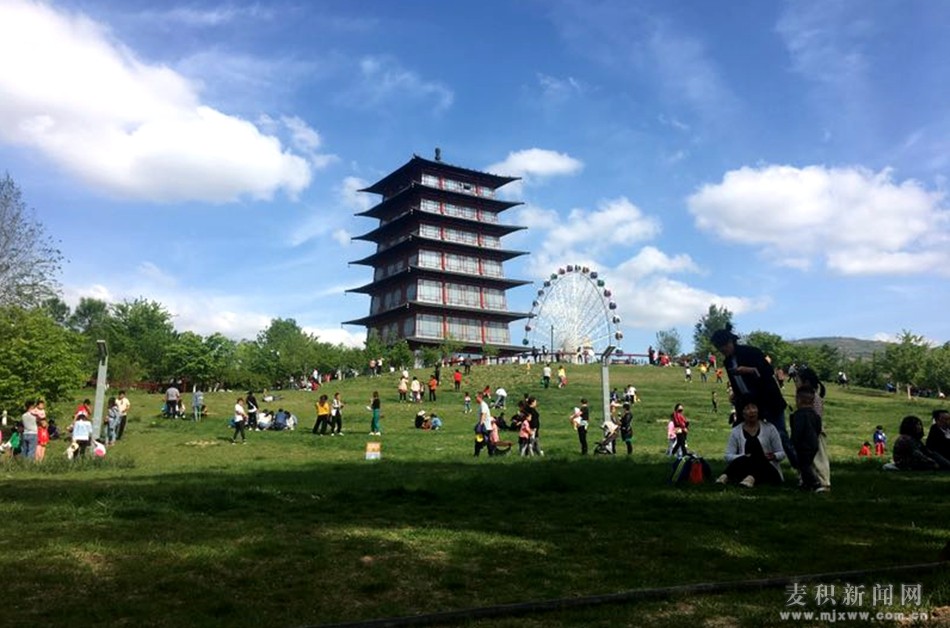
<point x="82" y="432"/>
<point x="754" y="452"/>
<point x="240" y="420"/>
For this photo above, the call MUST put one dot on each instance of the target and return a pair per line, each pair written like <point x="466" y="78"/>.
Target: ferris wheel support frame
<point x="605" y="379"/>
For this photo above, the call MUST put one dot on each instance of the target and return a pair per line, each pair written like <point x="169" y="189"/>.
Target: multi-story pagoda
<point x="437" y="268"/>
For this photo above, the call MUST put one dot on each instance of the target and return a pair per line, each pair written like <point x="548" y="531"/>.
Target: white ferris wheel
<point x="573" y="314"/>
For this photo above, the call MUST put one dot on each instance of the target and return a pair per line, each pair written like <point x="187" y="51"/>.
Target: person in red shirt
<point x="433" y="385"/>
<point x="680" y="428"/>
<point x="865" y="450"/>
<point x="457" y="378"/>
<point x="42" y="439"/>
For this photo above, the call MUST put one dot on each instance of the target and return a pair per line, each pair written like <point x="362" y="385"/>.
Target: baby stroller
<point x="608" y="446"/>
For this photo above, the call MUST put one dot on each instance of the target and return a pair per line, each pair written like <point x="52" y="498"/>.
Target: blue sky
<point x="786" y="160"/>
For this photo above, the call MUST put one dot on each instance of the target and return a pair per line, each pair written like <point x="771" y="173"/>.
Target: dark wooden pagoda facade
<point x="438" y="265"/>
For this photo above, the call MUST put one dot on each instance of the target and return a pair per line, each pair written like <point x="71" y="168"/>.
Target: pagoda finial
<point x="438" y="154"/>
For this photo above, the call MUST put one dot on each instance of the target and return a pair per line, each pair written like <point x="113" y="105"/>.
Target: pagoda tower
<point x="438" y="266"/>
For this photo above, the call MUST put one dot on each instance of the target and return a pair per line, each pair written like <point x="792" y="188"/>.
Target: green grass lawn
<point x="176" y="526"/>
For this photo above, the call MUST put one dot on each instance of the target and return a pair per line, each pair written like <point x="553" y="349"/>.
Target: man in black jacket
<point x="753" y="380"/>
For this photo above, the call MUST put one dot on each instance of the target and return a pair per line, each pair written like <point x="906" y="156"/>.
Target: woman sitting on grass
<point x="753" y="452"/>
<point x="910" y="453"/>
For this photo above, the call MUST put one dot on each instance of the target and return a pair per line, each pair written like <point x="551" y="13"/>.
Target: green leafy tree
<point x="430" y="356"/>
<point x="189" y="357"/>
<point x="38" y="358"/>
<point x="669" y="342"/>
<point x="373" y="348"/>
<point x="713" y="320"/>
<point x="450" y="346"/>
<point x="285" y="351"/>
<point x="936" y="372"/>
<point x="772" y="345"/>
<point x="58" y="310"/>
<point x="143" y="331"/>
<point x="93" y="319"/>
<point x="29" y="261"/>
<point x="400" y="355"/>
<point x="905" y="360"/>
<point x="490" y="352"/>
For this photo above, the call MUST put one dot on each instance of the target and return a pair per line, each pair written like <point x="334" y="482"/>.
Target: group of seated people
<point x="428" y="421"/>
<point x="912" y="453"/>
<point x="282" y="420"/>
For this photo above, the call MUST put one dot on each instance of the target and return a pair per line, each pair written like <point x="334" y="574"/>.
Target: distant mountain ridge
<point x="848" y="347"/>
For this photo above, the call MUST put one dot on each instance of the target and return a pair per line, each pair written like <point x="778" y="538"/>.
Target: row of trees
<point x="909" y="363"/>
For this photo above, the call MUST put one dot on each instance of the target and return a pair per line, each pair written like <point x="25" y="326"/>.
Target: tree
<point x="936" y="373"/>
<point x="38" y="358"/>
<point x="142" y="330"/>
<point x="285" y="351"/>
<point x="905" y="360"/>
<point x="772" y="345"/>
<point x="715" y="319"/>
<point x="189" y="357"/>
<point x="401" y="355"/>
<point x="29" y="261"/>
<point x="489" y="351"/>
<point x="58" y="310"/>
<point x="668" y="342"/>
<point x="450" y="346"/>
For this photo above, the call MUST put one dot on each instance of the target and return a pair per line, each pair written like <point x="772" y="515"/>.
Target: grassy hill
<point x="853" y="348"/>
<point x="176" y="526"/>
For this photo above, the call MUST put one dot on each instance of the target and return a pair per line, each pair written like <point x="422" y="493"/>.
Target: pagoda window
<point x="375" y="305"/>
<point x="429" y="326"/>
<point x="461" y="211"/>
<point x="430" y="259"/>
<point x="494" y="299"/>
<point x="430" y="231"/>
<point x="497" y="333"/>
<point x="408" y="327"/>
<point x="462" y="294"/>
<point x="491" y="268"/>
<point x="464" y="237"/>
<point x="465" y="329"/>
<point x="411" y="292"/>
<point x="490" y="242"/>
<point x="486" y="216"/>
<point x="461" y="263"/>
<point x="430" y="291"/>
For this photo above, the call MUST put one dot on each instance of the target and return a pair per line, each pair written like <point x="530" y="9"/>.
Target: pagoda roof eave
<point x="497" y="254"/>
<point x="416" y="163"/>
<point x="501" y="282"/>
<point x="488" y="228"/>
<point x="381" y="208"/>
<point x="423" y="307"/>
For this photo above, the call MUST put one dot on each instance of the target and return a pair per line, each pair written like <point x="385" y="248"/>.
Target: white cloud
<point x="661" y="302"/>
<point x="382" y="81"/>
<point x="133" y="129"/>
<point x="349" y="194"/>
<point x="342" y="237"/>
<point x="651" y="261"/>
<point x="322" y="222"/>
<point x="537" y="162"/>
<point x="646" y="296"/>
<point x="306" y="139"/>
<point x="855" y="221"/>
<point x="205" y="18"/>
<point x="555" y="91"/>
<point x="616" y="221"/>
<point x="337" y="335"/>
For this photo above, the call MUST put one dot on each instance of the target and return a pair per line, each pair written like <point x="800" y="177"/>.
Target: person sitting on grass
<point x="808" y="439"/>
<point x="865" y="451"/>
<point x="938" y="438"/>
<point x="910" y="453"/>
<point x="754" y="451"/>
<point x="422" y="421"/>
